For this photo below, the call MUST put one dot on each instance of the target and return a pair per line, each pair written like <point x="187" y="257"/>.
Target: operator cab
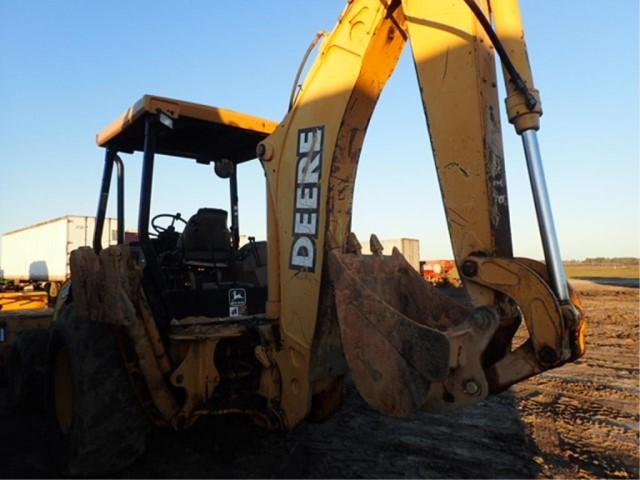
<point x="194" y="266"/>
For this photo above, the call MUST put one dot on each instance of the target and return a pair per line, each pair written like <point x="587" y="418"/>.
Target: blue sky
<point x="68" y="68"/>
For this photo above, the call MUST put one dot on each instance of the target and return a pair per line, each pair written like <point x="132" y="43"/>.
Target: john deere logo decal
<point x="307" y="199"/>
<point x="237" y="302"/>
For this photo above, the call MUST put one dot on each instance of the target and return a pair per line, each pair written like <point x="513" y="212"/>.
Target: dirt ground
<point x="580" y="420"/>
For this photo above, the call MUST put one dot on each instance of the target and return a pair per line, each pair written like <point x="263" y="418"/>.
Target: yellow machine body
<point x="330" y="309"/>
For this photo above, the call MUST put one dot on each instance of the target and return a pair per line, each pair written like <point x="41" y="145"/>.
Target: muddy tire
<point x="97" y="423"/>
<point x="26" y="370"/>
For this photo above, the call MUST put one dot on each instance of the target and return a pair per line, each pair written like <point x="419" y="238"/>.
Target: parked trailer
<point x="34" y="257"/>
<point x="40" y="252"/>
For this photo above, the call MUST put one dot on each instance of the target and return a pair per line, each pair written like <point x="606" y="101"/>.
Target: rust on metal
<point x="392" y="325"/>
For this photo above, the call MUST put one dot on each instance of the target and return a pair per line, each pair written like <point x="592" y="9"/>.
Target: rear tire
<point x="26" y="369"/>
<point x="98" y="425"/>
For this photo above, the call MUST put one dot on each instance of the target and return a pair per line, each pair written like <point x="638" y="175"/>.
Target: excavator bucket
<point x="393" y="326"/>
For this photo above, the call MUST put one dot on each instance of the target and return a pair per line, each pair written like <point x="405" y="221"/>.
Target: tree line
<point x="609" y="260"/>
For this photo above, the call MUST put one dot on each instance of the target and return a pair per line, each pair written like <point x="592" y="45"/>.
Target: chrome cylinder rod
<point x="545" y="217"/>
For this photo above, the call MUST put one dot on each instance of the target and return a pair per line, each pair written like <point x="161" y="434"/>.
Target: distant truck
<point x="38" y="255"/>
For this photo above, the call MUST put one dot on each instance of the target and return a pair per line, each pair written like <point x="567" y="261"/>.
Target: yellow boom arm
<point x="311" y="163"/>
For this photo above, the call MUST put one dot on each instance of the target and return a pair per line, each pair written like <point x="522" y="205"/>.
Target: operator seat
<point x="206" y="240"/>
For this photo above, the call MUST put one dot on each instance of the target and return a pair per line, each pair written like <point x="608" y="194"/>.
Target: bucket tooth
<point x="353" y="244"/>
<point x="375" y="246"/>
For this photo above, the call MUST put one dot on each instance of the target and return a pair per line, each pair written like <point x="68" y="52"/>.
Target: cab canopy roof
<point x="201" y="132"/>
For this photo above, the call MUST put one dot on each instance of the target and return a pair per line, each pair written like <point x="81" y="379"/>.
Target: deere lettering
<point x="307" y="199"/>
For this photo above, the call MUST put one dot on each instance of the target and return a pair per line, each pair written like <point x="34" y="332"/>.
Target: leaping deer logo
<point x="237" y="296"/>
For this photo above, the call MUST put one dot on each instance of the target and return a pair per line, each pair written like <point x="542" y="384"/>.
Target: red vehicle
<point x="440" y="272"/>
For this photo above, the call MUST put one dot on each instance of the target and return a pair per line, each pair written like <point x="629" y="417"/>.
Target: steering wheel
<point x="160" y="229"/>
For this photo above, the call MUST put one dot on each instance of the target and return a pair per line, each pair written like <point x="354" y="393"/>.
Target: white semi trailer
<point x="40" y="253"/>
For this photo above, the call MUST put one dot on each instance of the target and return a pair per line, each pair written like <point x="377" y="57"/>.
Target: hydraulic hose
<point x="515" y="77"/>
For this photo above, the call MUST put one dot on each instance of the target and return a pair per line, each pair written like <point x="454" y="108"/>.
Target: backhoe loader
<point x="187" y="322"/>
